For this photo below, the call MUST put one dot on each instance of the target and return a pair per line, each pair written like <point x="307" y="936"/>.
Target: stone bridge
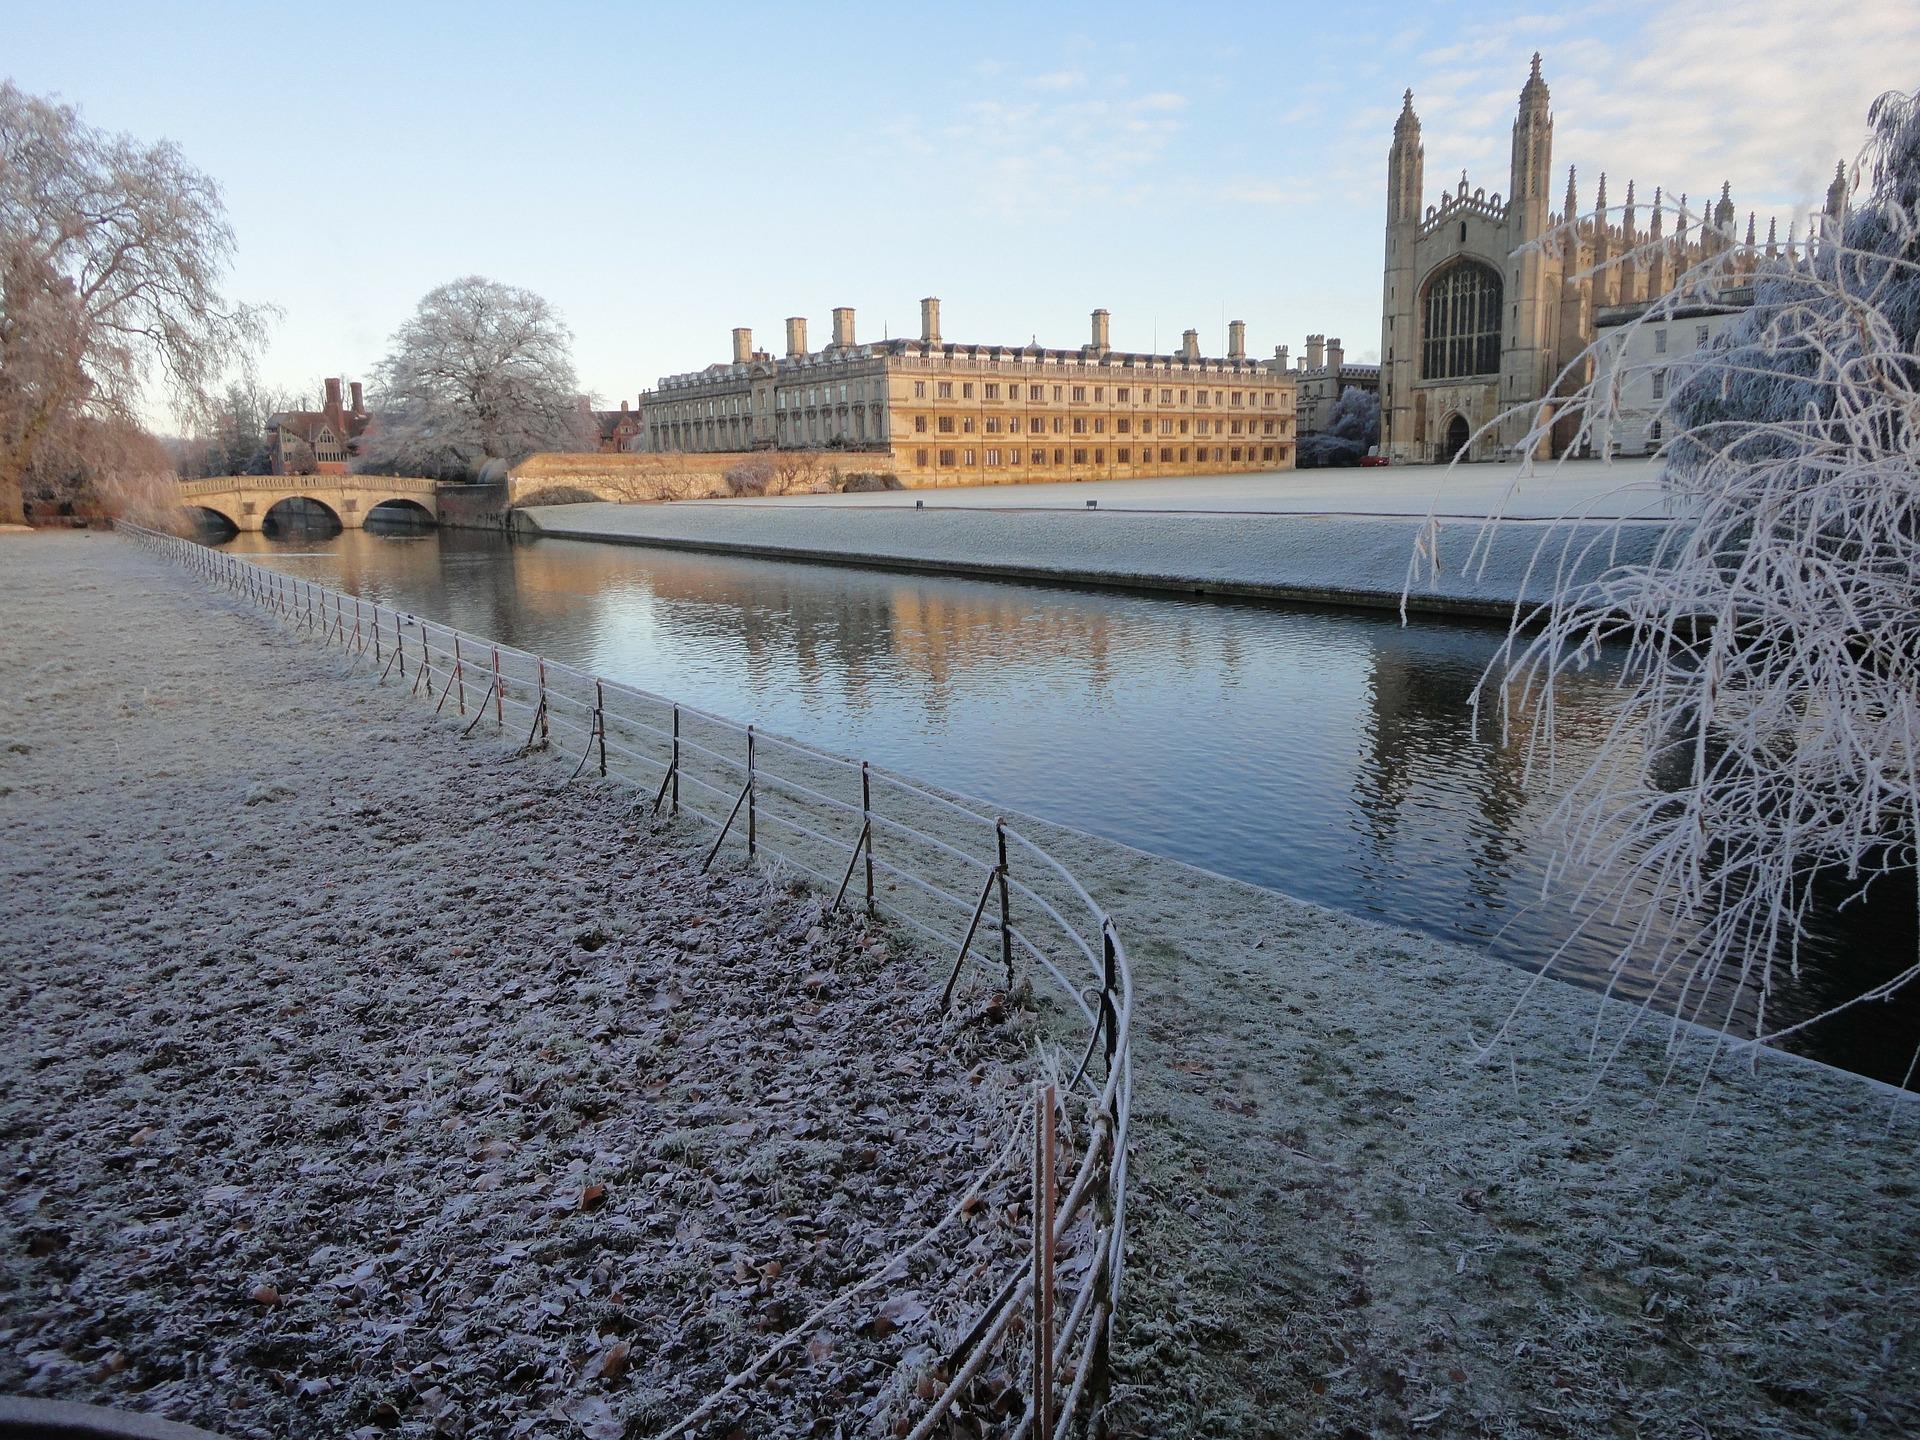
<point x="244" y="501"/>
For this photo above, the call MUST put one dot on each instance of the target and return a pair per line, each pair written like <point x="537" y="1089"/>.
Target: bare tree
<point x="1766" y="746"/>
<point x="481" y="376"/>
<point x="111" y="258"/>
<point x="232" y="437"/>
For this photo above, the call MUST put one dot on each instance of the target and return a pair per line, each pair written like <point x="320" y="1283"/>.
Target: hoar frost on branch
<point x="111" y="257"/>
<point x="1764" y="744"/>
<point x="480" y="377"/>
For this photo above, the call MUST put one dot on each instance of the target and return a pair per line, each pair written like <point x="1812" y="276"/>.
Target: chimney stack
<point x="359" y="406"/>
<point x="930" y="320"/>
<point x="843" y="327"/>
<point x="1190" y="345"/>
<point x="796" y="336"/>
<point x="1336" y="352"/>
<point x="1102" y="341"/>
<point x="742" y="344"/>
<point x="333" y="397"/>
<point x="1280" y="361"/>
<point x="1237" y="340"/>
<point x="1316" y="351"/>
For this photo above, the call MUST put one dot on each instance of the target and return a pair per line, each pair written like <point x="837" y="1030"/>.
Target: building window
<point x="1058" y="391"/>
<point x="967" y="458"/>
<point x="1099" y="457"/>
<point x="1099" y="392"/>
<point x="919" y="389"/>
<point x="1100" y="425"/>
<point x="1036" y="392"/>
<point x="1236" y="452"/>
<point x="993" y="457"/>
<point x="1266" y="452"/>
<point x="1660" y="342"/>
<point x="919" y="424"/>
<point x="944" y="390"/>
<point x="946" y="457"/>
<point x="1660" y="384"/>
<point x="993" y="425"/>
<point x="966" y="390"/>
<point x="1036" y="426"/>
<point x="1653" y="432"/>
<point x="1123" y="425"/>
<point x="993" y="390"/>
<point x="1079" y="424"/>
<point x="1123" y="394"/>
<point x="1699" y="336"/>
<point x="1079" y="394"/>
<point x="1166" y="454"/>
<point x="1200" y="427"/>
<point x="1166" y="397"/>
<point x="1462" y="334"/>
<point x="920" y="458"/>
<point x="1123" y="455"/>
<point x="1079" y="457"/>
<point x="946" y="424"/>
<point x="1059" y="425"/>
<point x="1038" y="457"/>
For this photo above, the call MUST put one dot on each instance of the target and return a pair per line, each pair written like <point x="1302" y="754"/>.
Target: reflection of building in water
<point x="855" y="630"/>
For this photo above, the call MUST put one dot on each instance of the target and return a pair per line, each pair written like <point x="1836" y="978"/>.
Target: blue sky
<point x="663" y="174"/>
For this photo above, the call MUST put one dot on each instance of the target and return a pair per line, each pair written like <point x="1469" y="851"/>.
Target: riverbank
<point x="1327" y="559"/>
<point x="361" y="1082"/>
<point x="1344" y="1221"/>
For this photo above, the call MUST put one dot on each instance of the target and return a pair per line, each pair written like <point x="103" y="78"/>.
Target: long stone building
<point x="1480" y="322"/>
<point x="940" y="413"/>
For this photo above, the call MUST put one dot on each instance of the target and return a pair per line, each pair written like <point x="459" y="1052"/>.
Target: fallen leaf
<point x="264" y="1295"/>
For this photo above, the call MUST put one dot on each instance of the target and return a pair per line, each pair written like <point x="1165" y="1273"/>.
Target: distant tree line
<point x="1353" y="429"/>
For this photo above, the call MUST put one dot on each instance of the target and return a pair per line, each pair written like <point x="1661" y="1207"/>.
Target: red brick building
<point x="307" y="442"/>
<point x="616" y="428"/>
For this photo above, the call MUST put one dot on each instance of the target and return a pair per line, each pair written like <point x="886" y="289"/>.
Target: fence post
<point x="499" y="705"/>
<point x="459" y="673"/>
<point x="600" y="721"/>
<point x="752" y="832"/>
<point x="376" y="631"/>
<point x="676" y="761"/>
<point x="1109" y="1012"/>
<point x="1043" y="1200"/>
<point x="866" y="825"/>
<point x="543" y="702"/>
<point x="1006" y="919"/>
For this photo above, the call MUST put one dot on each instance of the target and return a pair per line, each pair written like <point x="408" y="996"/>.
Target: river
<point x="1329" y="754"/>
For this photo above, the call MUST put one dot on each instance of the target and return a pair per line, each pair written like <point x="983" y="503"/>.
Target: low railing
<point x="947" y="869"/>
<point x="299" y="484"/>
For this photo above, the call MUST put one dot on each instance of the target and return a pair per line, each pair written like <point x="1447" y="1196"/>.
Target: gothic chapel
<point x="1474" y="325"/>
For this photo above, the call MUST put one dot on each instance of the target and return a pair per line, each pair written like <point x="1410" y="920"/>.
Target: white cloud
<point x="1056" y="80"/>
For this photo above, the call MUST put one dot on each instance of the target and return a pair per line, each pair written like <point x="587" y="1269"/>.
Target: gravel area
<point x="361" y="1081"/>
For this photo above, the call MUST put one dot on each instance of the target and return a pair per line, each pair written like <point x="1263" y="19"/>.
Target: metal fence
<point x="943" y="867"/>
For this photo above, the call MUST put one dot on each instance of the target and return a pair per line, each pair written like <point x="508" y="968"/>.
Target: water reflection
<point x="1328" y="754"/>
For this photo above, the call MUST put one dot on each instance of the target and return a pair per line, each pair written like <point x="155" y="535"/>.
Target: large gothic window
<point x="1462" y="331"/>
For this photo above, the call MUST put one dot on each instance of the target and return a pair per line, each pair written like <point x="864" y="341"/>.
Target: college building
<point x="1489" y="303"/>
<point x="939" y="413"/>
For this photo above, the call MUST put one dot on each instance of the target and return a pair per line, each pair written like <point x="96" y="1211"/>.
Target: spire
<point x="1773" y="236"/>
<point x="1626" y="220"/>
<point x="1837" y="191"/>
<point x="1573" y="202"/>
<point x="1654" y="230"/>
<point x="1533" y="95"/>
<point x="1600" y="200"/>
<point x="1408" y="123"/>
<point x="1750" y="218"/>
<point x="1723" y="212"/>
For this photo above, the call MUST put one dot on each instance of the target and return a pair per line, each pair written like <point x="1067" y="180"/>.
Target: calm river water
<point x="1325" y="753"/>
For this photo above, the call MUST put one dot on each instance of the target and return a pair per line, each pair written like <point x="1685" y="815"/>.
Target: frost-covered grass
<point x="358" y="1081"/>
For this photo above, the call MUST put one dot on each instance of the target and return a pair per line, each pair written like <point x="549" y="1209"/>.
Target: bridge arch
<point x="293" y="512"/>
<point x="214" y="517"/>
<point x="400" y="510"/>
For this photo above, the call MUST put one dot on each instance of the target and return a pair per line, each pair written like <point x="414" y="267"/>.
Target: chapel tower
<point x="1406" y="167"/>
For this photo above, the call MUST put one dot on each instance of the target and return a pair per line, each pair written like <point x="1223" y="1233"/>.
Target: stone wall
<point x="472" y="507"/>
<point x="630" y="477"/>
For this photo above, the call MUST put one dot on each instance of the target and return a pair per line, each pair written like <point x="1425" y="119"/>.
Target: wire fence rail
<point x="943" y="867"/>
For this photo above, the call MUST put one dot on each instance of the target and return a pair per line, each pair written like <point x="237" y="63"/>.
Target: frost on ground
<point x="363" y="1082"/>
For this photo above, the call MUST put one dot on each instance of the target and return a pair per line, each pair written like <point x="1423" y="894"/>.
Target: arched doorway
<point x="1456" y="438"/>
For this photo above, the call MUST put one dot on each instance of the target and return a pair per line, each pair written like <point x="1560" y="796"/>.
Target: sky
<point x="662" y="174"/>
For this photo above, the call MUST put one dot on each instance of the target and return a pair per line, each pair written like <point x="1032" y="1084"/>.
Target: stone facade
<point x="938" y="413"/>
<point x="1638" y="350"/>
<point x="1319" y="377"/>
<point x="1479" y="323"/>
